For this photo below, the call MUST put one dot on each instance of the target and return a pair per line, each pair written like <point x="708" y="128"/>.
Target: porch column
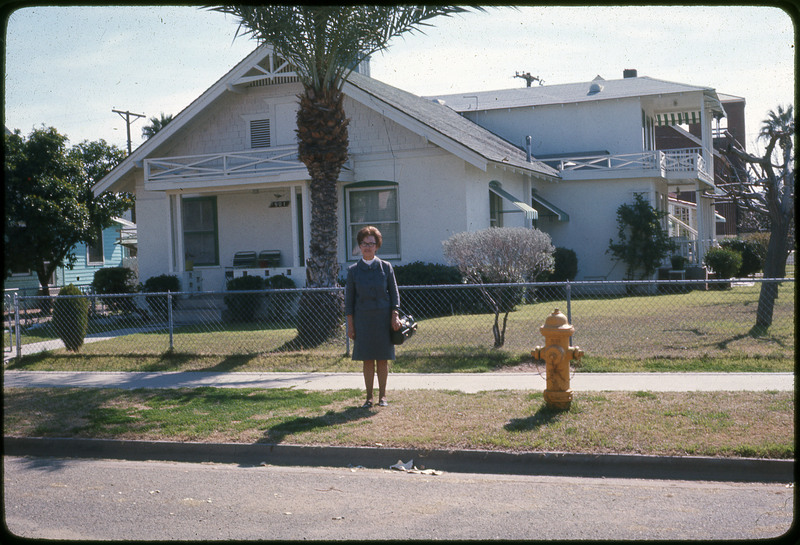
<point x="707" y="138"/>
<point x="177" y="262"/>
<point x="702" y="229"/>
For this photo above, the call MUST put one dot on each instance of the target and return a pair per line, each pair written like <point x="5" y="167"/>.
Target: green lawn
<point x="731" y="424"/>
<point x="695" y="331"/>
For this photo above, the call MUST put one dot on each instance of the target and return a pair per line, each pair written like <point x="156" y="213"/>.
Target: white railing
<point x="238" y="164"/>
<point x="678" y="160"/>
<point x="644" y="160"/>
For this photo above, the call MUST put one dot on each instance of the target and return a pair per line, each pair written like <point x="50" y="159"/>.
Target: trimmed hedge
<point x="724" y="262"/>
<point x="243" y="307"/>
<point x="115" y="280"/>
<point x="161" y="284"/>
<point x="71" y="318"/>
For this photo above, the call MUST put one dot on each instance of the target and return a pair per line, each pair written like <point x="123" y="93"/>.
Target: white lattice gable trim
<point x="267" y="70"/>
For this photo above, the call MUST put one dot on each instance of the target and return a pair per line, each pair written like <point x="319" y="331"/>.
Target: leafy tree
<point x="324" y="44"/>
<point x="643" y="243"/>
<point x="49" y="202"/>
<point x="500" y="255"/>
<point x="156" y="124"/>
<point x="765" y="186"/>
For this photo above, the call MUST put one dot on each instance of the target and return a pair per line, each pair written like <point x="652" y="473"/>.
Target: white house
<point x="223" y="177"/>
<point x="600" y="136"/>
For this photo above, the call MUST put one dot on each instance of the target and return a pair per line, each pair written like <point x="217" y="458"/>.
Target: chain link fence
<point x="647" y="319"/>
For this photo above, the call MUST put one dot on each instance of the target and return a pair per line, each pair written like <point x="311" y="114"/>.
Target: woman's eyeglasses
<point x="368" y="244"/>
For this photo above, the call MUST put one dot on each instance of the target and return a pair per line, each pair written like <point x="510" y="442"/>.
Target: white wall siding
<point x="247" y="223"/>
<point x="592" y="208"/>
<point x="223" y="126"/>
<point x="611" y="125"/>
<point x="153" y="231"/>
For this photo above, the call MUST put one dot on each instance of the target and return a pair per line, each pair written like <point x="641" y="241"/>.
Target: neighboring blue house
<point x="117" y="248"/>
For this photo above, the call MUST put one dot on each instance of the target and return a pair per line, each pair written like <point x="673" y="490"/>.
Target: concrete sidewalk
<point x="465" y="382"/>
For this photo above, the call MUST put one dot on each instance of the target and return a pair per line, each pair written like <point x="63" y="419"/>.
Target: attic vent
<point x="259" y="133"/>
<point x="274" y="81"/>
<point x="595" y="88"/>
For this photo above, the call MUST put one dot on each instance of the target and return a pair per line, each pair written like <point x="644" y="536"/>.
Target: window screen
<point x="378" y="207"/>
<point x="200" y="241"/>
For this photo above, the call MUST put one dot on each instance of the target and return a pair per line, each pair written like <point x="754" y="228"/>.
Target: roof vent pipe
<point x="528" y="140"/>
<point x="630" y="73"/>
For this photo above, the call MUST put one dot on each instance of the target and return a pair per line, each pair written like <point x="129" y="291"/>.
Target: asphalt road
<point x="75" y="499"/>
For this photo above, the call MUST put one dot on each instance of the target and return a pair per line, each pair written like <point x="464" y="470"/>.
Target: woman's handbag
<point x="407" y="328"/>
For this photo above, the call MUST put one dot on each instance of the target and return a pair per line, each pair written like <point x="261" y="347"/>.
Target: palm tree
<point x="324" y="44"/>
<point x="780" y="121"/>
<point x="156" y="124"/>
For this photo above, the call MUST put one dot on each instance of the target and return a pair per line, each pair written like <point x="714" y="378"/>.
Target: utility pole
<point x="127" y="116"/>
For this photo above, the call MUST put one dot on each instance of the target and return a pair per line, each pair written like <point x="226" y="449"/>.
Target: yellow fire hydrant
<point x="557" y="353"/>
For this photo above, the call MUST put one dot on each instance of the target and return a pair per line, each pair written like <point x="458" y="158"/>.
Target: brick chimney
<point x="629" y="73"/>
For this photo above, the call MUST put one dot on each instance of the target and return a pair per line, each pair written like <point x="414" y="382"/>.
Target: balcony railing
<point x="689" y="160"/>
<point x="238" y="164"/>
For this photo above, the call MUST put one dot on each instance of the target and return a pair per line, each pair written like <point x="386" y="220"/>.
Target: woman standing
<point x="371" y="303"/>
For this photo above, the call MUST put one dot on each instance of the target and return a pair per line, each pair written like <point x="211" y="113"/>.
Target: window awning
<point x="562" y="216"/>
<point x="530" y="213"/>
<point x="677" y="118"/>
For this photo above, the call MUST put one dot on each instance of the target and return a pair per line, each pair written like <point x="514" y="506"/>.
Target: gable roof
<point x="439" y="124"/>
<point x="568" y="93"/>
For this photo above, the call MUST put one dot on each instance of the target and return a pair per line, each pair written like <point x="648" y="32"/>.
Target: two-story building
<point x="220" y="190"/>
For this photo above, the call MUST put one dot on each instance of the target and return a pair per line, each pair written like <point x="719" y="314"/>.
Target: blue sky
<point x="69" y="66"/>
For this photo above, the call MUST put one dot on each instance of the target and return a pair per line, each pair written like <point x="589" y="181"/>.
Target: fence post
<point x="169" y="319"/>
<point x="568" y="291"/>
<point x="17" y="336"/>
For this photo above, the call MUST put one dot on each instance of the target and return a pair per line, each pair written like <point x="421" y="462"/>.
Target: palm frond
<point x="325" y="43"/>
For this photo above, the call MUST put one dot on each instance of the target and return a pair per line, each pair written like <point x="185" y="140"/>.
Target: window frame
<point x="98" y="240"/>
<point x="495" y="210"/>
<point x="372" y="185"/>
<point x="214" y="230"/>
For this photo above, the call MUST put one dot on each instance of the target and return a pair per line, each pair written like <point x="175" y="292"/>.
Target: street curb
<point x="684" y="468"/>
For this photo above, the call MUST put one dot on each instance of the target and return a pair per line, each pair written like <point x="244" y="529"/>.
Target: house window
<point x="94" y="250"/>
<point x="20" y="270"/>
<point x="200" y="237"/>
<point x="259" y="133"/>
<point x="373" y="203"/>
<point x="495" y="210"/>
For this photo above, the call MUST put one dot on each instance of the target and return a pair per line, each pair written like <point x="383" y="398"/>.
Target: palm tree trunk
<point x="322" y="147"/>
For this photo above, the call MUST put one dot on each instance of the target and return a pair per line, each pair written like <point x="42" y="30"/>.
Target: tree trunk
<point x="774" y="267"/>
<point x="43" y="274"/>
<point x="322" y="147"/>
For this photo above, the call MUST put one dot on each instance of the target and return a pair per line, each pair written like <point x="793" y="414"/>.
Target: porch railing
<point x="260" y="162"/>
<point x="666" y="161"/>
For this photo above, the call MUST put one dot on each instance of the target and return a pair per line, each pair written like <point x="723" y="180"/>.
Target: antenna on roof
<point x="528" y="78"/>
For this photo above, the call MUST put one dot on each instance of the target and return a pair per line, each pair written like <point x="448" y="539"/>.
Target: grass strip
<point x="728" y="424"/>
<point x="451" y="360"/>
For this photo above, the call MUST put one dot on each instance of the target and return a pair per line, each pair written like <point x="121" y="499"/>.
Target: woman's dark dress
<point x="370" y="295"/>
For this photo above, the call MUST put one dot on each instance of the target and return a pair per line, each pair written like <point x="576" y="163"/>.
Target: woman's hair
<point x="370" y="231"/>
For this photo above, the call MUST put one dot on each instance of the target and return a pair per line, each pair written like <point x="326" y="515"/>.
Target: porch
<point x="676" y="165"/>
<point x="272" y="164"/>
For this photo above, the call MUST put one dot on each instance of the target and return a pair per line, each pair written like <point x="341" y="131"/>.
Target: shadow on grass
<point x="30" y="360"/>
<point x="758" y="332"/>
<point x="279" y="432"/>
<point x="543" y="417"/>
<point x="451" y="359"/>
